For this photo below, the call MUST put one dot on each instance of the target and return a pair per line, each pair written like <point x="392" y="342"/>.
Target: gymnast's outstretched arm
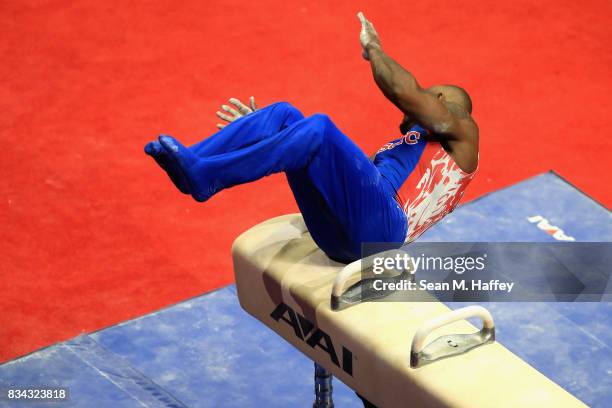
<point x="403" y="90"/>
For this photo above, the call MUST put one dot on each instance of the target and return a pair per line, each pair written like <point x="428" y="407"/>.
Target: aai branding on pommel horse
<point x="306" y="331"/>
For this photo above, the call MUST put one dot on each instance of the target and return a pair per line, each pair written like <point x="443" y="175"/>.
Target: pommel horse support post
<point x="379" y="349"/>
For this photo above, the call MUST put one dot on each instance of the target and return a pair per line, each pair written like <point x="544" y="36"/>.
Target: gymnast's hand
<point x="239" y="110"/>
<point x="368" y="35"/>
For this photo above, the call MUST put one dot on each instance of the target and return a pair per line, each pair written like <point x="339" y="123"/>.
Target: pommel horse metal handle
<point x="454" y="344"/>
<point x="356" y="271"/>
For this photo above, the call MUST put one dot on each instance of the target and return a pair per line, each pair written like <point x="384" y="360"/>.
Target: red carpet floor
<point x="93" y="232"/>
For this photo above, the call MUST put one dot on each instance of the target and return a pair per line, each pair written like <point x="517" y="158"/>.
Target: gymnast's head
<point x="453" y="97"/>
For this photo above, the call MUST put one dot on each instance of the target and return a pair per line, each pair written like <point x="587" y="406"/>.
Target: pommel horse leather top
<point x="286" y="282"/>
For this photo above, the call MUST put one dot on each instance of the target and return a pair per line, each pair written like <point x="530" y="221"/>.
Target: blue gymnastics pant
<point x="343" y="197"/>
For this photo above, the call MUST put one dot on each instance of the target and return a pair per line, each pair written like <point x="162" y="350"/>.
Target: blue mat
<point x="206" y="352"/>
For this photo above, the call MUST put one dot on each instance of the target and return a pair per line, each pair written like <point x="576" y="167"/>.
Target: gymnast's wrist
<point x="373" y="47"/>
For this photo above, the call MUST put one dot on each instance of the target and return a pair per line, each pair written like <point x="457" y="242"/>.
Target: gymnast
<point x="346" y="198"/>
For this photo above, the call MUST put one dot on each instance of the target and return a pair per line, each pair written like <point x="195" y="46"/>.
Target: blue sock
<point x="189" y="166"/>
<point x="155" y="150"/>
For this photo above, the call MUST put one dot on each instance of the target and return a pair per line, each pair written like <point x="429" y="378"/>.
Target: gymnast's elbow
<point x="405" y="94"/>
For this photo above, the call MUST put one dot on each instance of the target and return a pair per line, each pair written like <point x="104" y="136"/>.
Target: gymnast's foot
<point x="184" y="162"/>
<point x="155" y="150"/>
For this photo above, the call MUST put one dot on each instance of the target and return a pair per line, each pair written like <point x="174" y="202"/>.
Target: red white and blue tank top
<point x="427" y="181"/>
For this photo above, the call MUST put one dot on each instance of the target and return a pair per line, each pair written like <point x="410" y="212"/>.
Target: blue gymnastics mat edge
<point x="535" y="176"/>
<point x="569" y="183"/>
<point x="229" y="286"/>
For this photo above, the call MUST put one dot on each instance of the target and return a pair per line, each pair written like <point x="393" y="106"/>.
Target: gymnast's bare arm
<point x="401" y="88"/>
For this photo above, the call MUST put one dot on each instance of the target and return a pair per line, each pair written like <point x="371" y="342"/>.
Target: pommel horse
<point x="379" y="349"/>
